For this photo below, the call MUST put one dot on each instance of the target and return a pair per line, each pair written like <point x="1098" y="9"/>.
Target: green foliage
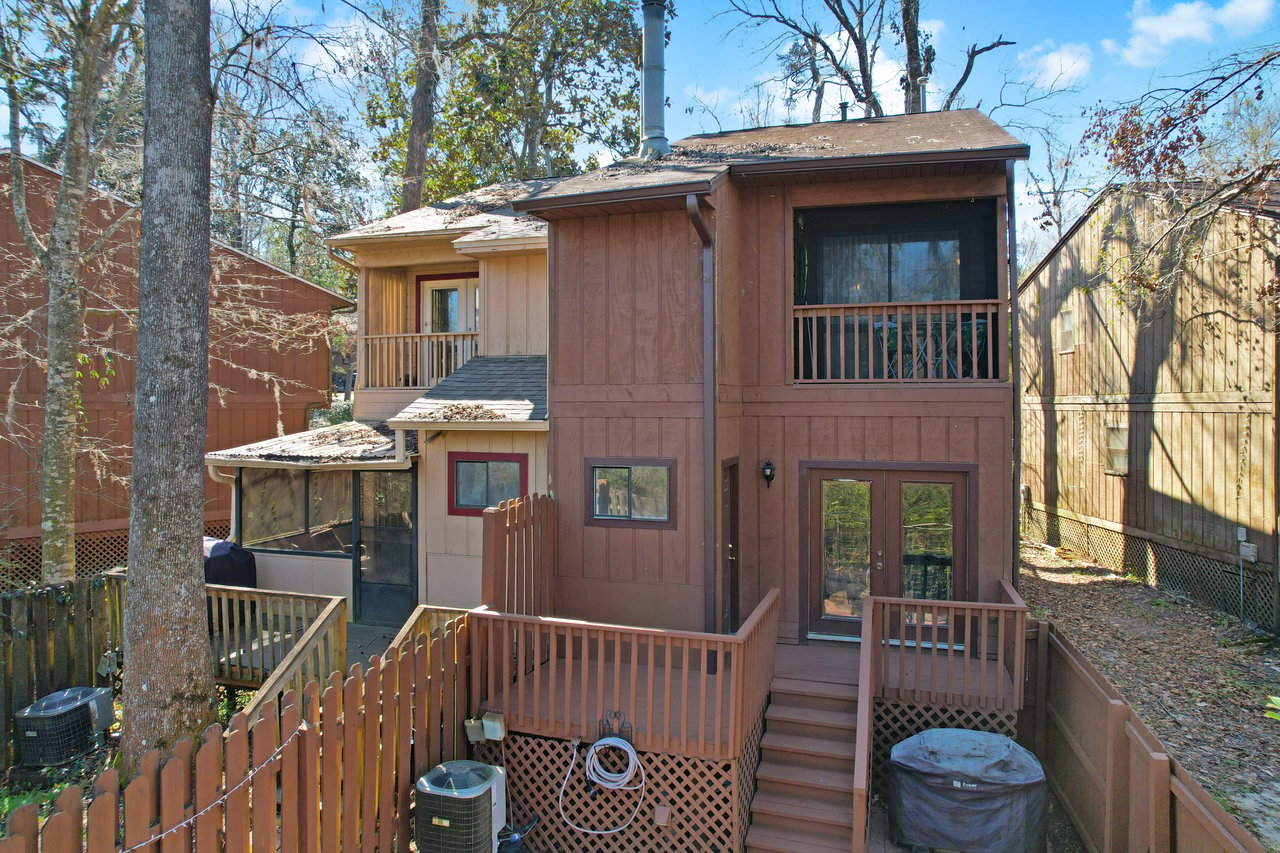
<point x="1273" y="707"/>
<point x="528" y="83"/>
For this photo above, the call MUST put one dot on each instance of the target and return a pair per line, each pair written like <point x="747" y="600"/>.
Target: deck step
<point x="787" y="687"/>
<point x="802" y="809"/>
<point x="798" y="717"/>
<point x="805" y="777"/>
<point x="768" y="839"/>
<point x="802" y="747"/>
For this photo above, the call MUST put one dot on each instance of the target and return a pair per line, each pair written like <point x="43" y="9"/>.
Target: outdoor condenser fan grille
<point x="58" y="727"/>
<point x="454" y="808"/>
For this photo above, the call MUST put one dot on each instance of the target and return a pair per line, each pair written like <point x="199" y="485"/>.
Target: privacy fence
<point x="329" y="769"/>
<point x="1122" y="789"/>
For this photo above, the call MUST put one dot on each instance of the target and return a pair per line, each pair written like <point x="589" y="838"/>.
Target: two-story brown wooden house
<point x="780" y="412"/>
<point x="258" y="386"/>
<point x="770" y="404"/>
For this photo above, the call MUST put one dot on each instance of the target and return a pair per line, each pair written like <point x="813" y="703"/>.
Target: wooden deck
<point x="691" y="698"/>
<point x="694" y="703"/>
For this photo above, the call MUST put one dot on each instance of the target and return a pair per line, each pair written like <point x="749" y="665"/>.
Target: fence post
<point x="1116" y="828"/>
<point x="490" y="559"/>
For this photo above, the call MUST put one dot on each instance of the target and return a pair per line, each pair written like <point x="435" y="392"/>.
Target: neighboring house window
<point x="444" y="309"/>
<point x="290" y="509"/>
<point x="1067" y="330"/>
<point x="480" y="480"/>
<point x="1118" y="449"/>
<point x="930" y="252"/>
<point x="631" y="492"/>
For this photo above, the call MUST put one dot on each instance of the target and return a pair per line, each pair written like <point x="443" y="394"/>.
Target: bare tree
<point x="101" y="58"/>
<point x="1186" y="143"/>
<point x="168" y="690"/>
<point x="846" y="37"/>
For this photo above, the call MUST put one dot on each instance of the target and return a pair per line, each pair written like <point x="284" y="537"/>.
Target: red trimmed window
<point x="479" y="480"/>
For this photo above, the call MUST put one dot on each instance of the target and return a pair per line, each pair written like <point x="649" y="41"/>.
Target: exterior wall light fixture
<point x="769" y="472"/>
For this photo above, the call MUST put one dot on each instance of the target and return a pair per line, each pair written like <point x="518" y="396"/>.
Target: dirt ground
<point x="1197" y="677"/>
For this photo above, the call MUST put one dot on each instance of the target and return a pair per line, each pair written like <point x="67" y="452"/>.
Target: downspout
<point x="230" y="480"/>
<point x="709" y="490"/>
<point x="1015" y="371"/>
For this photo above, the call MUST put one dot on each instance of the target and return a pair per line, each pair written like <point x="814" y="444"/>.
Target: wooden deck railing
<point x="268" y="640"/>
<point x="414" y="360"/>
<point x="965" y="654"/>
<point x="689" y="693"/>
<point x="426" y="620"/>
<point x="519" y="556"/>
<point x="896" y="341"/>
<point x="320" y="651"/>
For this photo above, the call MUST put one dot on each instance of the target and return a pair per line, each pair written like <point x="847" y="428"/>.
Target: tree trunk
<point x="168" y="666"/>
<point x="913" y="77"/>
<point x="423" y="107"/>
<point x="65" y="320"/>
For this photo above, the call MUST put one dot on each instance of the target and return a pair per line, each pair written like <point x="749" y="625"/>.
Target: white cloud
<point x="1053" y="66"/>
<point x="1152" y="33"/>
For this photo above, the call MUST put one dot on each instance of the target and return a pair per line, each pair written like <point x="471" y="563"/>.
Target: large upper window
<point x="289" y="509"/>
<point x="479" y="480"/>
<point x="926" y="252"/>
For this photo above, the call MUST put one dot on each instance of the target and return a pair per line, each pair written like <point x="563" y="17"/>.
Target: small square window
<point x="631" y="492"/>
<point x="480" y="480"/>
<point x="1067" y="330"/>
<point x="1118" y="449"/>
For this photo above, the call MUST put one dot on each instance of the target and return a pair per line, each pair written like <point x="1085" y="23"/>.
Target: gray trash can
<point x="963" y="790"/>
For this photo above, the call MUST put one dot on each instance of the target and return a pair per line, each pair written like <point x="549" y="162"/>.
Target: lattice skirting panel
<point x="709" y="800"/>
<point x="1212" y="582"/>
<point x="95" y="552"/>
<point x="897" y="721"/>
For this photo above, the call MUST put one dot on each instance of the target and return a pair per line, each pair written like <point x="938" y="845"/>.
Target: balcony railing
<point x="899" y="342"/>
<point x="414" y="360"/>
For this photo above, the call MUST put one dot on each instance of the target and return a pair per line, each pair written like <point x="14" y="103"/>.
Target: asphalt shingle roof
<point x="486" y="388"/>
<point x="346" y="443"/>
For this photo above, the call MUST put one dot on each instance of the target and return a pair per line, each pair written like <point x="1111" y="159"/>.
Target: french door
<point x="896" y="533"/>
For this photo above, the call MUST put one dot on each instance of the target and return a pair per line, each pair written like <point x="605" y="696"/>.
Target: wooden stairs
<point x="804" y="785"/>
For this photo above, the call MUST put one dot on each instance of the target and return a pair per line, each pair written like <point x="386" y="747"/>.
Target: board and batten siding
<point x="513" y="304"/>
<point x="763" y="415"/>
<point x="449" y="572"/>
<point x="242" y="408"/>
<point x="625" y="373"/>
<point x="1191" y="373"/>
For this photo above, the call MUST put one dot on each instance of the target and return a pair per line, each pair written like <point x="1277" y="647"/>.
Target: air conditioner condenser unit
<point x="459" y="807"/>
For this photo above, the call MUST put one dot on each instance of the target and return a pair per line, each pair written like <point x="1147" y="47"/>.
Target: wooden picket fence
<point x="517" y="569"/>
<point x="330" y="770"/>
<point x="52" y="638"/>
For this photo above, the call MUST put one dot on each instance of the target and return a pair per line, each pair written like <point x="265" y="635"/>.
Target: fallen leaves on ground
<point x="1197" y="677"/>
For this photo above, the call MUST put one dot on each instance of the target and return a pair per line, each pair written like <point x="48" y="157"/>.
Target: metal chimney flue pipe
<point x="653" y="131"/>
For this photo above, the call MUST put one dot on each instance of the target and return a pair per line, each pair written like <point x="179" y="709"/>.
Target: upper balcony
<point x="414" y="360"/>
<point x="900" y="293"/>
<point x="900" y="342"/>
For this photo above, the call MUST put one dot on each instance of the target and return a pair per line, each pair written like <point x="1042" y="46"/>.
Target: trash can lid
<point x="459" y="778"/>
<point x="980" y="756"/>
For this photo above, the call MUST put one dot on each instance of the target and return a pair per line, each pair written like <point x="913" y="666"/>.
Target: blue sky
<point x="1091" y="50"/>
<point x="1105" y="50"/>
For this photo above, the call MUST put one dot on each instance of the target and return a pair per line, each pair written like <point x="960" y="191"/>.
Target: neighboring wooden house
<point x="450" y="409"/>
<point x="243" y="405"/>
<point x="1149" y="425"/>
<point x="766" y="381"/>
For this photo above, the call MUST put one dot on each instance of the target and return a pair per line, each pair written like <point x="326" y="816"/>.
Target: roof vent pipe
<point x="653" y="132"/>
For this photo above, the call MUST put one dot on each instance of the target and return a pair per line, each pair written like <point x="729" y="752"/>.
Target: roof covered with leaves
<point x="706" y="156"/>
<point x="484" y="208"/>
<point x="486" y="388"/>
<point x="345" y="443"/>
